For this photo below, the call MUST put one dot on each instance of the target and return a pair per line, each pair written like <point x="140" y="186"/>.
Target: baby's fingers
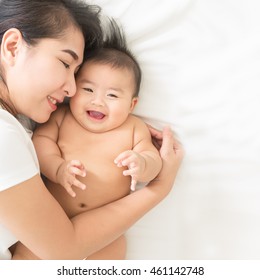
<point x="79" y="185"/>
<point x="121" y="160"/>
<point x="133" y="184"/>
<point x="76" y="171"/>
<point x="131" y="171"/>
<point x="75" y="183"/>
<point x="69" y="190"/>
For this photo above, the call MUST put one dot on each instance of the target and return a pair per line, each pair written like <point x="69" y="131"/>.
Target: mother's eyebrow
<point x="72" y="53"/>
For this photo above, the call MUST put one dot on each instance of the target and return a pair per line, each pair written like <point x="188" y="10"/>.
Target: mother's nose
<point x="70" y="87"/>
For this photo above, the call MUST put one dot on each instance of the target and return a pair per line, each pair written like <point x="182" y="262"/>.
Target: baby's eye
<point x="112" y="95"/>
<point x="88" y="89"/>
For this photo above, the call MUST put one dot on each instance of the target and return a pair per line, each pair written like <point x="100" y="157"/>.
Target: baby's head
<point x="117" y="58"/>
<point x="107" y="85"/>
<point x="116" y="54"/>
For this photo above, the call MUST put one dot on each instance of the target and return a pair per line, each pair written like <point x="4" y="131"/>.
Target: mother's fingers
<point x="167" y="142"/>
<point x="156" y="136"/>
<point x="170" y="144"/>
<point x="155" y="132"/>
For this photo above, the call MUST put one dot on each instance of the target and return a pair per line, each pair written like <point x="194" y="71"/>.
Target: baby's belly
<point x="108" y="186"/>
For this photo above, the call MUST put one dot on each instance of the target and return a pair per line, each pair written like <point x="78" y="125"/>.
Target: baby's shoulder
<point x="59" y="115"/>
<point x="135" y="121"/>
<point x="140" y="129"/>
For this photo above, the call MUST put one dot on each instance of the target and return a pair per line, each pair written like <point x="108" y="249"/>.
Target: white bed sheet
<point x="201" y="74"/>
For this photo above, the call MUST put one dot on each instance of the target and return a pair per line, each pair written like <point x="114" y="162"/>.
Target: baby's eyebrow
<point x="72" y="53"/>
<point x="83" y="80"/>
<point x="116" y="89"/>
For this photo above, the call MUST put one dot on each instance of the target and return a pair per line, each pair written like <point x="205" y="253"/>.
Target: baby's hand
<point x="66" y="175"/>
<point x="135" y="163"/>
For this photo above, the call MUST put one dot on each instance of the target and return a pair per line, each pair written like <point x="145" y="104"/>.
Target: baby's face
<point x="104" y="96"/>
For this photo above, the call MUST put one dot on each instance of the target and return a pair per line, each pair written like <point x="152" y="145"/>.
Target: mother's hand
<point x="171" y="152"/>
<point x="157" y="136"/>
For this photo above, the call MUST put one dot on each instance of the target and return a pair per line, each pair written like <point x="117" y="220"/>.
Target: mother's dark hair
<point x="38" y="19"/>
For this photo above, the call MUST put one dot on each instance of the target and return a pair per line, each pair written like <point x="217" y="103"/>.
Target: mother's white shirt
<point x="18" y="163"/>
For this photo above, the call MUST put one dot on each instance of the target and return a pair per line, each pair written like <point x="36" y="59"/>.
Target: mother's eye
<point x="66" y="65"/>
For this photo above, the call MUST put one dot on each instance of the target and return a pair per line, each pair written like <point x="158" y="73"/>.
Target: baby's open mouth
<point x="96" y="115"/>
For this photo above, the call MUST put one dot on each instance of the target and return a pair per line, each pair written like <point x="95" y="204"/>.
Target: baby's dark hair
<point x="116" y="53"/>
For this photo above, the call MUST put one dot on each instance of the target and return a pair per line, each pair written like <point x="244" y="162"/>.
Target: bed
<point x="201" y="74"/>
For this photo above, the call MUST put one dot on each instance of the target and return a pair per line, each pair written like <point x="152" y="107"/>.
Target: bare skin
<point x="104" y="180"/>
<point x="28" y="209"/>
<point x="94" y="151"/>
<point x="172" y="158"/>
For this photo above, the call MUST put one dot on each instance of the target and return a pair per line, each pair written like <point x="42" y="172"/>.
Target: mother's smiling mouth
<point x="53" y="102"/>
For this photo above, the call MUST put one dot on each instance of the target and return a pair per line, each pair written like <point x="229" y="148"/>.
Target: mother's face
<point x="39" y="77"/>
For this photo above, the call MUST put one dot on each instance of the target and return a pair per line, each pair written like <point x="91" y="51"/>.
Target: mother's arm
<point x="38" y="221"/>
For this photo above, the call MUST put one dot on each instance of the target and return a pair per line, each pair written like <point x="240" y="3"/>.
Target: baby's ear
<point x="11" y="42"/>
<point x="133" y="103"/>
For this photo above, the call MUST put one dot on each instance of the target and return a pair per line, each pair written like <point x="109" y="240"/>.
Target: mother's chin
<point x="40" y="116"/>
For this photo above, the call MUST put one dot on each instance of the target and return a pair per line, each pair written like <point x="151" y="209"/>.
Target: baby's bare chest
<point x="101" y="148"/>
<point x="104" y="180"/>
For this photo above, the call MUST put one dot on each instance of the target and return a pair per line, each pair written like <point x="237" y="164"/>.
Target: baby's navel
<point x="82" y="205"/>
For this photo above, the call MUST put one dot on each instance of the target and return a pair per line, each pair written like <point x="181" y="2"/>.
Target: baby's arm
<point x="143" y="161"/>
<point x="52" y="164"/>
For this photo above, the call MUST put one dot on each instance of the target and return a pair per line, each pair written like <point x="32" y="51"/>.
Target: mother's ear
<point x="11" y="42"/>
